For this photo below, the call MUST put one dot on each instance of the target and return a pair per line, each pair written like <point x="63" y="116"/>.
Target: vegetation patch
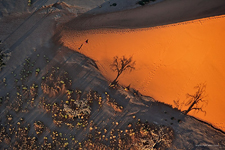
<point x="137" y="136"/>
<point x="55" y="82"/>
<point x="112" y="103"/>
<point x="39" y="127"/>
<point x="69" y="109"/>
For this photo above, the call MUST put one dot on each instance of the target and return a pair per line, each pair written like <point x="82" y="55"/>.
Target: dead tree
<point x="197" y="101"/>
<point x="119" y="65"/>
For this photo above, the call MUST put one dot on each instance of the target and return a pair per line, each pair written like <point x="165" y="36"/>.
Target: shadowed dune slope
<point x="162" y="13"/>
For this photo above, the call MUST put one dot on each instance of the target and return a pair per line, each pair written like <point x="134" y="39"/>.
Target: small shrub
<point x="114" y="4"/>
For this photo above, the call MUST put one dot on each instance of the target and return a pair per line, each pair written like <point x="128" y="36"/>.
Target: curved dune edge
<point x="162" y="13"/>
<point x="170" y="60"/>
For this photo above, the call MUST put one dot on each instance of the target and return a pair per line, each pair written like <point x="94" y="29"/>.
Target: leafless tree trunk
<point x="120" y="65"/>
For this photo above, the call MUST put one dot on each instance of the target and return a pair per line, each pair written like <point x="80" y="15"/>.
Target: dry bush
<point x="82" y="109"/>
<point x="34" y="90"/>
<point x="55" y="83"/>
<point x="151" y="136"/>
<point x="115" y="106"/>
<point x="39" y="127"/>
<point x="112" y="103"/>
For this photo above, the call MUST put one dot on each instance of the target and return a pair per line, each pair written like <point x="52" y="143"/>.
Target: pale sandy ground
<point x="36" y="32"/>
<point x="170" y="59"/>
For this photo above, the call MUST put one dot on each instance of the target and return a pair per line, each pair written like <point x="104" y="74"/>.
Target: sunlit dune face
<point x="170" y="60"/>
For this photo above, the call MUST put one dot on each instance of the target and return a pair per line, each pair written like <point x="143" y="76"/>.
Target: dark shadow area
<point x="163" y="13"/>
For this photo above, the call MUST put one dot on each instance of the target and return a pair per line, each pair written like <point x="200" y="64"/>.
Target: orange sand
<point x="170" y="60"/>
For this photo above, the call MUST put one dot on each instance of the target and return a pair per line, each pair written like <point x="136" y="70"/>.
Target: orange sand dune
<point x="170" y="60"/>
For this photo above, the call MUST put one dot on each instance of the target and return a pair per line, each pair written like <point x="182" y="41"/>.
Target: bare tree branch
<point x="196" y="99"/>
<point x="120" y="65"/>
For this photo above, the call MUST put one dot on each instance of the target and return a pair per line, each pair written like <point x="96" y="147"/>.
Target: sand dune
<point x="165" y="12"/>
<point x="170" y="60"/>
<point x="42" y="81"/>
